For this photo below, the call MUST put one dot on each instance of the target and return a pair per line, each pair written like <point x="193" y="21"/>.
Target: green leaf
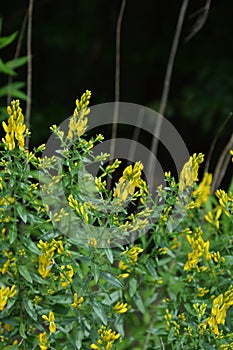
<point x="13" y="89"/>
<point x="5" y="69"/>
<point x="22" y="330"/>
<point x="62" y="299"/>
<point x="17" y="62"/>
<point x="111" y="279"/>
<point x="119" y="324"/>
<point x="32" y="247"/>
<point x="9" y="88"/>
<point x="7" y="40"/>
<point x="132" y="286"/>
<point x="151" y="269"/>
<point x="108" y="253"/>
<point x="29" y="308"/>
<point x="99" y="311"/>
<point x="95" y="271"/>
<point x="39" y="279"/>
<point x="25" y="273"/>
<point x="13" y="234"/>
<point x="139" y="303"/>
<point x="78" y="338"/>
<point x="21" y="212"/>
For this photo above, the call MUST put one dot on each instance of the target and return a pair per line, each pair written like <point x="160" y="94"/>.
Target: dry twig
<point x="222" y="165"/>
<point x="117" y="78"/>
<point x="167" y="80"/>
<point x="201" y="20"/>
<point x="29" y="70"/>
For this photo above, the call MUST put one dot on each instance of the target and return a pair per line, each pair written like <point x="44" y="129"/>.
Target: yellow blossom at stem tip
<point x="50" y="319"/>
<point x="16" y="127"/>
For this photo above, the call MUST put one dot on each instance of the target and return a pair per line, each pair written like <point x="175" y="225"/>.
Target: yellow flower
<point x="123" y="275"/>
<point x="92" y="242"/>
<point x="203" y="190"/>
<point x="68" y="277"/>
<point x="189" y="173"/>
<point x="199" y="247"/>
<point x="214" y="219"/>
<point x="121" y="308"/>
<point x="107" y="338"/>
<point x="130" y="179"/>
<point x="122" y="265"/>
<point x="43" y="341"/>
<point x="77" y="301"/>
<point x="95" y="347"/>
<point x="5" y="294"/>
<point x="50" y="319"/>
<point x="220" y="305"/>
<point x="78" y="122"/>
<point x="163" y="250"/>
<point x="133" y="254"/>
<point x="16" y="128"/>
<point x="202" y="291"/>
<point x="231" y="153"/>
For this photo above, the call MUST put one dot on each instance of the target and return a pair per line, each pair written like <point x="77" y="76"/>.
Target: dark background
<point x="74" y="50"/>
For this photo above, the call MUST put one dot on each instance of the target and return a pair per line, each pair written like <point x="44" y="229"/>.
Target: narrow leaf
<point x="5" y="69"/>
<point x="13" y="234"/>
<point x="17" y="62"/>
<point x="111" y="279"/>
<point x="132" y="287"/>
<point x="100" y="313"/>
<point x="25" y="273"/>
<point x="139" y="303"/>
<point x="7" y="40"/>
<point x="29" y="308"/>
<point x="22" y="330"/>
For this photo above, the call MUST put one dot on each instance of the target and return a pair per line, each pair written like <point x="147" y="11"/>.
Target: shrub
<point x="171" y="288"/>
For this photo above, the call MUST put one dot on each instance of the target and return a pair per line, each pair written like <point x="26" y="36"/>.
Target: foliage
<point x="172" y="288"/>
<point x="7" y="69"/>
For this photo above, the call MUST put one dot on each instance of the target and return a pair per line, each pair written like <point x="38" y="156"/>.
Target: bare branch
<point x="201" y="20"/>
<point x="207" y="163"/>
<point x="29" y="71"/>
<point x="117" y="77"/>
<point x="167" y="80"/>
<point x="222" y="165"/>
<point x="117" y="86"/>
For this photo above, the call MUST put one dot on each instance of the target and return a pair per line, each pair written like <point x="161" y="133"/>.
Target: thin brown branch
<point x="171" y="60"/>
<point x="29" y="70"/>
<point x="167" y="80"/>
<point x="207" y="163"/>
<point x="117" y="77"/>
<point x="117" y="83"/>
<point x="201" y="20"/>
<point x="222" y="165"/>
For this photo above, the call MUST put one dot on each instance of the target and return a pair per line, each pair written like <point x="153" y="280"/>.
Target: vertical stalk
<point x="29" y="70"/>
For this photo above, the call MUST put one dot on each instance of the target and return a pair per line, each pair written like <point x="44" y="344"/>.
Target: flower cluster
<point x="5" y="294"/>
<point x="130" y="180"/>
<point x="189" y="173"/>
<point x="132" y="257"/>
<point x="199" y="247"/>
<point x="220" y="305"/>
<point x="78" y="122"/>
<point x="16" y="127"/>
<point x="107" y="338"/>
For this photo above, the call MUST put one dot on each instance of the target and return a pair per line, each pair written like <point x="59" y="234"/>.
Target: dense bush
<point x="172" y="288"/>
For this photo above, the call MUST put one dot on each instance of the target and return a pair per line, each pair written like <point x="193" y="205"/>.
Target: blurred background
<point x="73" y="48"/>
